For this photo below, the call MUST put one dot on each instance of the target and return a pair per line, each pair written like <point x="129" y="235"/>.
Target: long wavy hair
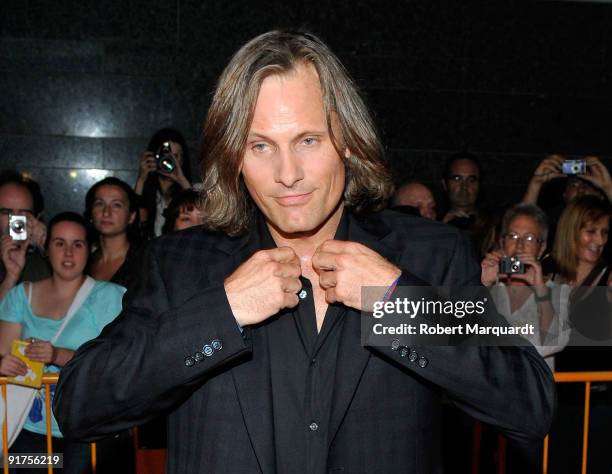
<point x="227" y="206"/>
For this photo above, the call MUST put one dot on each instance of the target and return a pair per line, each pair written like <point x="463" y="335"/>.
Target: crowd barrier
<point x="560" y="377"/>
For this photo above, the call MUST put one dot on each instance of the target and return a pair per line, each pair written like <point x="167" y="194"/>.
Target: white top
<point x="558" y="333"/>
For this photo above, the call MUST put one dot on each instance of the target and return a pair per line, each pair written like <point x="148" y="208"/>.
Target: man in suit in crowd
<point x="248" y="334"/>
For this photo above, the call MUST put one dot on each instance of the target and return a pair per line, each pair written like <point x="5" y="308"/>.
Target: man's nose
<point x="106" y="210"/>
<point x="289" y="169"/>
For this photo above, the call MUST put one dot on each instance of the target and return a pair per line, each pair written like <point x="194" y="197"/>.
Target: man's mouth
<point x="293" y="199"/>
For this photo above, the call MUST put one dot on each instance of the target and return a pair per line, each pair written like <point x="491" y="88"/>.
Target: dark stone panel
<point x="102" y="19"/>
<point x="538" y="31"/>
<point x="90" y="106"/>
<point x="123" y="153"/>
<point x="412" y="72"/>
<point x="421" y="165"/>
<point x="518" y="77"/>
<point x="139" y="59"/>
<point x="50" y="55"/>
<point x="64" y="189"/>
<point x="419" y="119"/>
<point x="14" y="19"/>
<point x="536" y="124"/>
<point x="40" y="150"/>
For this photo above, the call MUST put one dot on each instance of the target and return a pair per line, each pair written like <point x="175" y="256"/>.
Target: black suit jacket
<point x="385" y="410"/>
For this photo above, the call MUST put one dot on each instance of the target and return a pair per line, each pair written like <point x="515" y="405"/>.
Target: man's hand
<point x="40" y="351"/>
<point x="598" y="175"/>
<point x="13" y="254"/>
<point x="533" y="271"/>
<point x="456" y="214"/>
<point x="345" y="267"/>
<point x="11" y="366"/>
<point x="489" y="268"/>
<point x="549" y="168"/>
<point x="263" y="285"/>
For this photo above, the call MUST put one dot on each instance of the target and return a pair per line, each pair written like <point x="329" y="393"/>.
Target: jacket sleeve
<point x="150" y="359"/>
<point x="510" y="387"/>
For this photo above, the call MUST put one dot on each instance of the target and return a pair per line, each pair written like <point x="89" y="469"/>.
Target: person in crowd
<point x="155" y="186"/>
<point x="250" y="335"/>
<point x="34" y="311"/>
<point x="462" y="183"/>
<point x="526" y="296"/>
<point x="583" y="274"/>
<point x="21" y="259"/>
<point x="416" y="195"/>
<point x="184" y="211"/>
<point x="111" y="206"/>
<point x="595" y="181"/>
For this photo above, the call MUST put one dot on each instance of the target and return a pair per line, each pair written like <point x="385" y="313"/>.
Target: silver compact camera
<point x="165" y="161"/>
<point x="511" y="265"/>
<point x="573" y="167"/>
<point x="17" y="227"/>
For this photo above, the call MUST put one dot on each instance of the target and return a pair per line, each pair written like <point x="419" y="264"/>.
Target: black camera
<point x="165" y="161"/>
<point x="511" y="265"/>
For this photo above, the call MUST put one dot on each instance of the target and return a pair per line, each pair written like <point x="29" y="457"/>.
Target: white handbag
<point x="20" y="398"/>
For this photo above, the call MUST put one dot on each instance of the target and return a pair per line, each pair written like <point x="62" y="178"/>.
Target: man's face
<point x="463" y="184"/>
<point x="290" y="166"/>
<point x="578" y="187"/>
<point x="14" y="199"/>
<point x="418" y="196"/>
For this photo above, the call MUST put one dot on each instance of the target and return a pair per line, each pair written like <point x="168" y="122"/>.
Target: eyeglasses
<point x="527" y="239"/>
<point x="5" y="211"/>
<point x="471" y="179"/>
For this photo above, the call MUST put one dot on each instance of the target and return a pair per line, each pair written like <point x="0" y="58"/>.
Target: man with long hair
<point x="248" y="334"/>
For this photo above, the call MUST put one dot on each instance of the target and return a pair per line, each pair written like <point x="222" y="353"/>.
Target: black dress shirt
<point x="303" y="368"/>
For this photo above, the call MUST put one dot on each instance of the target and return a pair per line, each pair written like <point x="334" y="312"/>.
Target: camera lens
<point x="515" y="267"/>
<point x="576" y="169"/>
<point x="166" y="165"/>
<point x="18" y="226"/>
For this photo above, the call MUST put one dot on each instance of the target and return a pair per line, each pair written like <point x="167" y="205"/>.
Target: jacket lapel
<point x="252" y="378"/>
<point x="352" y="357"/>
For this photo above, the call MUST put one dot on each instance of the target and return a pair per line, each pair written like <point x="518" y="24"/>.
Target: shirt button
<point x="302" y="294"/>
<point x="313" y="426"/>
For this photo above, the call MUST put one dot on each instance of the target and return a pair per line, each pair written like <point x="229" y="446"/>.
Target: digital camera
<point x="511" y="265"/>
<point x="574" y="167"/>
<point x="17" y="227"/>
<point x="165" y="161"/>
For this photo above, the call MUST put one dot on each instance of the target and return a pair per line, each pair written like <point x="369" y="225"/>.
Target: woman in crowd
<point x="526" y="297"/>
<point x="157" y="187"/>
<point x="35" y="312"/>
<point x="111" y="207"/>
<point x="183" y="212"/>
<point x="582" y="234"/>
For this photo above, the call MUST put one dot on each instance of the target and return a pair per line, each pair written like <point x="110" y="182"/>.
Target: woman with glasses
<point x="522" y="294"/>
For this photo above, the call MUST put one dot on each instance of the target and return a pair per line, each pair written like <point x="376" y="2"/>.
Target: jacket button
<point x="207" y="350"/>
<point x="395" y="344"/>
<point x="423" y="362"/>
<point x="413" y="356"/>
<point x="198" y="356"/>
<point x="313" y="426"/>
<point x="189" y="361"/>
<point x="403" y="351"/>
<point x="216" y="345"/>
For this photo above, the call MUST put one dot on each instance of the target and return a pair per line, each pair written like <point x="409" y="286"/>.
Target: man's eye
<point x="309" y="141"/>
<point x="260" y="147"/>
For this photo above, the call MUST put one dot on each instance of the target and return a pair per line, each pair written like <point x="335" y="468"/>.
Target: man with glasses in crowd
<point x="21" y="259"/>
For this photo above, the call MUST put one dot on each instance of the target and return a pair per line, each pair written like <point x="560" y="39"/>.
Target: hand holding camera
<point x="13" y="254"/>
<point x="522" y="266"/>
<point x="597" y="174"/>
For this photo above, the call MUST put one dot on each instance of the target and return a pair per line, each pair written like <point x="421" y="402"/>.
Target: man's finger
<point x="283" y="255"/>
<point x="327" y="280"/>
<point x="322" y="261"/>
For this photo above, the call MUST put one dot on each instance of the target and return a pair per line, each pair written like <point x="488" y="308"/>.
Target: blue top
<point x="102" y="305"/>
